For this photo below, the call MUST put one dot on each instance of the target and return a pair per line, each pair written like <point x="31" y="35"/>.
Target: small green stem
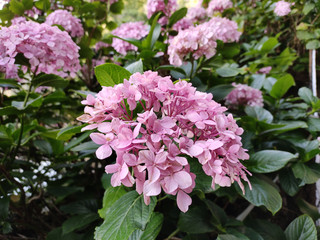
<point x="163" y="198"/>
<point x="173" y="234"/>
<point x="22" y="122"/>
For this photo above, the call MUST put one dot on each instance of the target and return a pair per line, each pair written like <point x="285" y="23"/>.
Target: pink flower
<point x="245" y="96"/>
<point x="282" y="8"/>
<point x="135" y="30"/>
<point x="48" y="49"/>
<point x="197" y="14"/>
<point x="153" y="125"/>
<point x="154" y="6"/>
<point x="70" y="23"/>
<point x="201" y="40"/>
<point x="182" y="24"/>
<point x="265" y="70"/>
<point x="218" y="5"/>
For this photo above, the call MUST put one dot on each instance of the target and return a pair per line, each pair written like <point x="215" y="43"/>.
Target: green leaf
<point x="287" y="126"/>
<point x="314" y="124"/>
<point x="135" y="67"/>
<point x="230" y="50"/>
<point x="6" y="15"/>
<point x="85" y="147"/>
<point x="228" y="71"/>
<point x="313" y="44"/>
<point x="228" y="237"/>
<point x="154" y="33"/>
<point x="306" y="95"/>
<point x="288" y="182"/>
<point x="259" y="113"/>
<point x="308" y="6"/>
<point x="57" y="234"/>
<point x="9" y="110"/>
<point x="219" y="92"/>
<point x="308" y="208"/>
<point x="9" y="83"/>
<point x="281" y="86"/>
<point x="50" y="80"/>
<point x="172" y="68"/>
<point x="28" y="4"/>
<point x="152" y="230"/>
<point x="16" y="7"/>
<point x="308" y="175"/>
<point x="269" y="45"/>
<point x="78" y="221"/>
<point x="262" y="194"/>
<point x="117" y="7"/>
<point x="125" y="216"/>
<point x="110" y="74"/>
<point x="43" y="5"/>
<point x="305" y="35"/>
<point x="67" y="132"/>
<point x="267" y="161"/>
<point x="196" y="220"/>
<point x="302" y="227"/>
<point x="32" y="103"/>
<point x="266" y="229"/>
<point x="111" y="195"/>
<point x="177" y="15"/>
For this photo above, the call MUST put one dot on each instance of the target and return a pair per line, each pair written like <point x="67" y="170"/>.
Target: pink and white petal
<point x="136" y="130"/>
<point x="89" y="127"/>
<point x="155" y="138"/>
<point x="112" y="168"/>
<point x="183" y="179"/>
<point x="124" y="171"/>
<point x="161" y="157"/>
<point x="151" y="189"/>
<point x="154" y="174"/>
<point x="115" y="180"/>
<point x="170" y="185"/>
<point x="182" y="160"/>
<point x="183" y="201"/>
<point x="104" y="151"/>
<point x="98" y="138"/>
<point x="130" y="159"/>
<point x="195" y="150"/>
<point x="105" y="127"/>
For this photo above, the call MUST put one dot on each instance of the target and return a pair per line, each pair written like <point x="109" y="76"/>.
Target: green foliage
<point x="109" y="74"/>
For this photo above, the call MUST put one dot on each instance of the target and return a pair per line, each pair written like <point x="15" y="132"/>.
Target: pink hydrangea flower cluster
<point x="154" y="6"/>
<point x="197" y="14"/>
<point x="282" y="8"/>
<point x="265" y="70"/>
<point x="33" y="12"/>
<point x="182" y="24"/>
<point x="48" y="49"/>
<point x="218" y="5"/>
<point x="244" y="95"/>
<point x="135" y="30"/>
<point x="69" y="22"/>
<point x="99" y="45"/>
<point x="175" y="125"/>
<point x="201" y="39"/>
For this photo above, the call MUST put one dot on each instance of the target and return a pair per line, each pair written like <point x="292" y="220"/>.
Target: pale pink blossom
<point x="155" y="126"/>
<point x="282" y="8"/>
<point x="134" y="30"/>
<point x="168" y="8"/>
<point x="201" y="39"/>
<point x="65" y="19"/>
<point x="265" y="70"/>
<point x="243" y="95"/>
<point x="197" y="14"/>
<point x="47" y="48"/>
<point x="218" y="5"/>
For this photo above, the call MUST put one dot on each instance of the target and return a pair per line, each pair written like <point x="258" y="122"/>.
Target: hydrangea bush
<point x="150" y="120"/>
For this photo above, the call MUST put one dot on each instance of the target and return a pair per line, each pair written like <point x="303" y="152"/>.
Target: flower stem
<point x="173" y="234"/>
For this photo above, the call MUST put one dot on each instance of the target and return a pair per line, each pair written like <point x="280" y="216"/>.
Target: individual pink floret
<point x="282" y="8"/>
<point x="196" y="14"/>
<point x="157" y="128"/>
<point x="69" y="22"/>
<point x="218" y="6"/>
<point x="135" y="30"/>
<point x="243" y="95"/>
<point x="47" y="48"/>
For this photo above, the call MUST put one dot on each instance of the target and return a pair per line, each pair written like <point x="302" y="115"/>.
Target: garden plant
<point x="159" y="119"/>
